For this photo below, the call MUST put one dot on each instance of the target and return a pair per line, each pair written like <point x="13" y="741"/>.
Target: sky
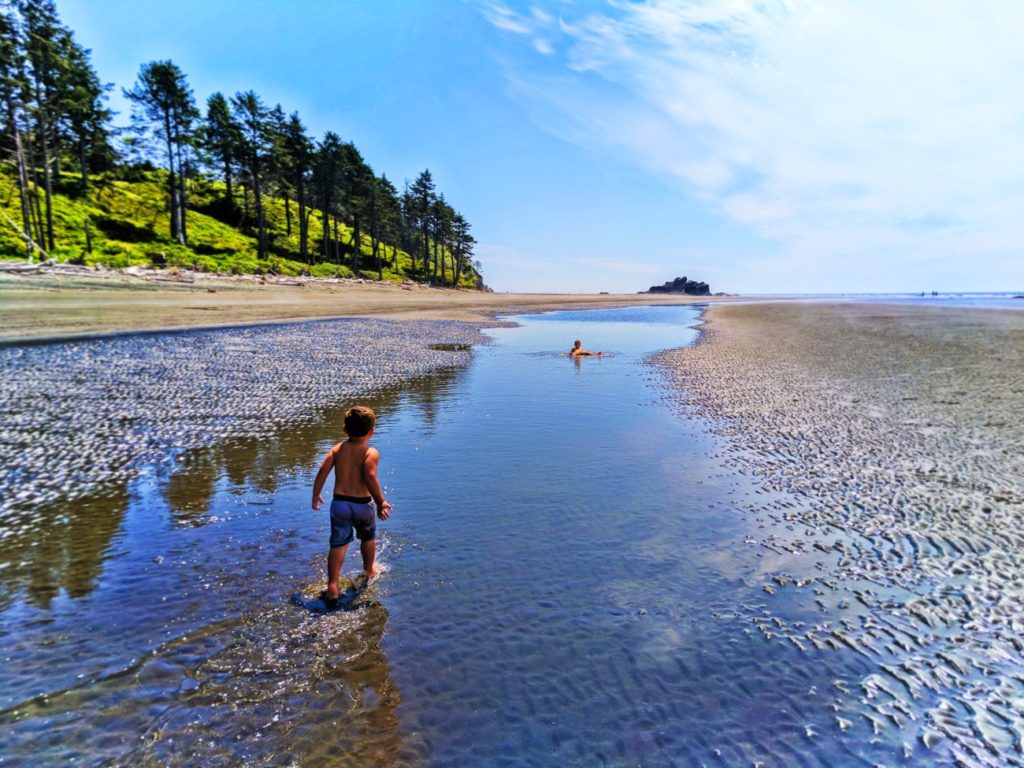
<point x="762" y="146"/>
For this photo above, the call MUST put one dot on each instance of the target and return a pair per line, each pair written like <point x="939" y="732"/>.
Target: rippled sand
<point x="81" y="416"/>
<point x="899" y="430"/>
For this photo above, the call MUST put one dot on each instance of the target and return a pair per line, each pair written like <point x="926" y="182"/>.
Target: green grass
<point x="128" y="224"/>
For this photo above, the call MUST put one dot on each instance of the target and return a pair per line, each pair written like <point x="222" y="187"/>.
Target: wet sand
<point x="899" y="431"/>
<point x="52" y="306"/>
<point x="91" y="414"/>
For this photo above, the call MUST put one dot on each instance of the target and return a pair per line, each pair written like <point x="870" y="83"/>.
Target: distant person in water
<point x="578" y="351"/>
<point x="358" y="499"/>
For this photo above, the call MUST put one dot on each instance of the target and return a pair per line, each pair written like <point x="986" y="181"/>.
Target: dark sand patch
<point x="900" y="427"/>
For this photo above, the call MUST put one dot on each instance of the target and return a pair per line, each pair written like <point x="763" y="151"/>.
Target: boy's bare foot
<point x="373" y="573"/>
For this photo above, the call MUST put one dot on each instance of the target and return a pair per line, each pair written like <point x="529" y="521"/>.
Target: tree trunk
<point x="23" y="193"/>
<point x="47" y="173"/>
<point x="287" y="216"/>
<point x="458" y="272"/>
<point x="325" y="234"/>
<point x="84" y="164"/>
<point x="337" y="242"/>
<point x="357" y="244"/>
<point x="229" y="193"/>
<point x="375" y="253"/>
<point x="182" y="198"/>
<point x="426" y="249"/>
<point x="261" y="252"/>
<point x="457" y="267"/>
<point x="171" y="186"/>
<point x="303" y="229"/>
<point x="34" y="206"/>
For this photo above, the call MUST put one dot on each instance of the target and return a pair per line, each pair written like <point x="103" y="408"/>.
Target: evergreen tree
<point x="221" y="138"/>
<point x="54" y="113"/>
<point x="298" y="159"/>
<point x="462" y="246"/>
<point x="163" y="105"/>
<point x="388" y="209"/>
<point x="12" y="101"/>
<point x="357" y="195"/>
<point x="441" y="218"/>
<point x="41" y="32"/>
<point x="422" y="200"/>
<point x="326" y="181"/>
<point x="84" y="115"/>
<point x="257" y="141"/>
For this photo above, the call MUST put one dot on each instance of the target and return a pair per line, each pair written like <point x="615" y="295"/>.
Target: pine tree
<point x="221" y="138"/>
<point x="298" y="159"/>
<point x="164" y="106"/>
<point x="41" y="32"/>
<point x="357" y="191"/>
<point x="422" y="198"/>
<point x="12" y="101"/>
<point x="326" y="180"/>
<point x="257" y="141"/>
<point x="84" y="115"/>
<point x="462" y="246"/>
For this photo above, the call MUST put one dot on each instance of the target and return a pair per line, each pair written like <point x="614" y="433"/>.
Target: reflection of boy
<point x="356" y="492"/>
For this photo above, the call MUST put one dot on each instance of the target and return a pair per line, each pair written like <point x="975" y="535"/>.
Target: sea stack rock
<point x="682" y="285"/>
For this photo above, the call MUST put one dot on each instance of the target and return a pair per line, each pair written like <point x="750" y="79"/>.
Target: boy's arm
<point x="373" y="485"/>
<point x="321" y="476"/>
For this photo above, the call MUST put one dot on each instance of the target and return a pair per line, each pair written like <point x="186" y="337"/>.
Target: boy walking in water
<point x="356" y="493"/>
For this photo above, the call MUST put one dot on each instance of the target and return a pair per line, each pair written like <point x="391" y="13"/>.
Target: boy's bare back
<point x="353" y="461"/>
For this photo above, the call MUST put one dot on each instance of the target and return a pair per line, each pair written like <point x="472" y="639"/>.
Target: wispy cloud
<point x="855" y="133"/>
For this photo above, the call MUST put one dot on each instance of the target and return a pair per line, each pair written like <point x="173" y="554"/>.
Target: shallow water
<point x="571" y="578"/>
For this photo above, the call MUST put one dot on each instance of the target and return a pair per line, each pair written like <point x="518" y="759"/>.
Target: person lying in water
<point x="578" y="351"/>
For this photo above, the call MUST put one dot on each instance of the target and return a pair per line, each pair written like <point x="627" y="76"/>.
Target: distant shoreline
<point x="58" y="306"/>
<point x="52" y="308"/>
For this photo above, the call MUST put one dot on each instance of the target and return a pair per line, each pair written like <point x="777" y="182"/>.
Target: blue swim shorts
<point x="351" y="515"/>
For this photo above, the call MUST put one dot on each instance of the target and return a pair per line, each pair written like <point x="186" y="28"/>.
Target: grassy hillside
<point x="127" y="224"/>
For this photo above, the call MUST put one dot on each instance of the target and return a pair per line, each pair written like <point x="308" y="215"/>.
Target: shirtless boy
<point x="578" y="351"/>
<point x="356" y="494"/>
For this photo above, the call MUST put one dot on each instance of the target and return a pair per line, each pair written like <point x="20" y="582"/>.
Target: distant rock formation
<point x="682" y="285"/>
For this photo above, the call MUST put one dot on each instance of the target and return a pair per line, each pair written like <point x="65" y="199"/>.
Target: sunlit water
<point x="570" y="578"/>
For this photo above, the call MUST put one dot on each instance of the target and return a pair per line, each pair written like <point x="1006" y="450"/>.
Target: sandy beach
<point x="59" y="306"/>
<point x="899" y="430"/>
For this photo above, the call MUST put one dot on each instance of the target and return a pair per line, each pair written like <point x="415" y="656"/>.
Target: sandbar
<point x="63" y="307"/>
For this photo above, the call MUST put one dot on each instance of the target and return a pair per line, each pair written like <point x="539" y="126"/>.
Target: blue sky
<point x="759" y="145"/>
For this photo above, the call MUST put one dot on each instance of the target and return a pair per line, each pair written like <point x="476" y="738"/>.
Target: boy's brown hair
<point x="359" y="420"/>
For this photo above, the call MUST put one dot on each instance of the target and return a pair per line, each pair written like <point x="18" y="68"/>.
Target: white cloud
<point x="857" y="134"/>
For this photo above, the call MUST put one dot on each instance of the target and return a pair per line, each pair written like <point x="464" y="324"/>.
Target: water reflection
<point x="291" y="448"/>
<point x="69" y="554"/>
